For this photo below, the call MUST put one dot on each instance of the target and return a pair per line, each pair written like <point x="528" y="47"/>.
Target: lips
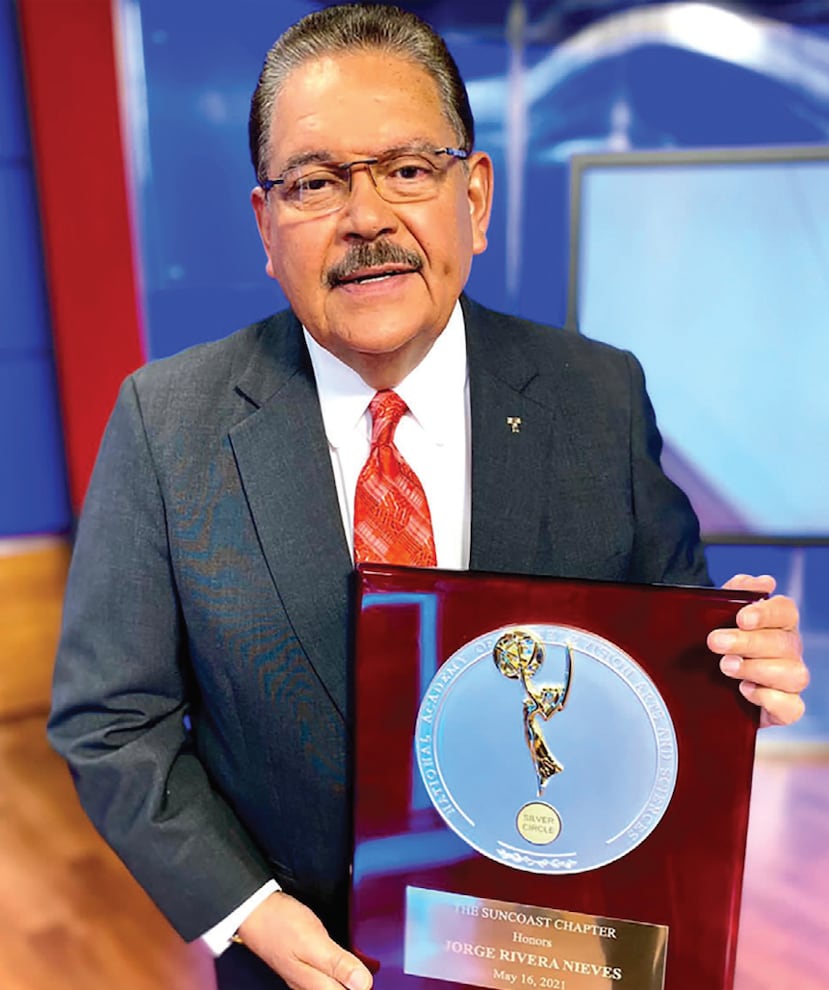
<point x="372" y="261"/>
<point x="373" y="275"/>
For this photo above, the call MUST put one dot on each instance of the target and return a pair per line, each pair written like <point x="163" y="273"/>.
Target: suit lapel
<point x="512" y="437"/>
<point x="283" y="461"/>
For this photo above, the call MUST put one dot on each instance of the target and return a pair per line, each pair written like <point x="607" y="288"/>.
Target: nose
<point x="366" y="215"/>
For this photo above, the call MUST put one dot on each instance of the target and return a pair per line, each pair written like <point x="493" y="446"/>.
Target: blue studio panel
<point x="740" y="244"/>
<point x="33" y="496"/>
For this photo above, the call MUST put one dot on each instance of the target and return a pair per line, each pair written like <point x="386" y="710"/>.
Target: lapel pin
<point x="514" y="423"/>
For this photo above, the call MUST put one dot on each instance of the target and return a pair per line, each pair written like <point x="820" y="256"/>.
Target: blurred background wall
<point x="33" y="495"/>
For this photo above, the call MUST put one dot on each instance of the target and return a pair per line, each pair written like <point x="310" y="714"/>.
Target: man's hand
<point x="764" y="652"/>
<point x="293" y="942"/>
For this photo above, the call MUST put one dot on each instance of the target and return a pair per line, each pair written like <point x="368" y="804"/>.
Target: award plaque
<point x="551" y="783"/>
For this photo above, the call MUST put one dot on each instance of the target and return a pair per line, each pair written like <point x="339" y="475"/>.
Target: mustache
<point x="370" y="255"/>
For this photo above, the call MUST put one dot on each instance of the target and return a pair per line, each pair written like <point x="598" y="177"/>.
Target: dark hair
<point x="352" y="28"/>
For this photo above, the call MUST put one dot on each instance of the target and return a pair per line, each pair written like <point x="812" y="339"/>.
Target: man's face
<point x="349" y="107"/>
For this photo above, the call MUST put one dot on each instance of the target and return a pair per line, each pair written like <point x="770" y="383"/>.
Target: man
<point x="200" y="689"/>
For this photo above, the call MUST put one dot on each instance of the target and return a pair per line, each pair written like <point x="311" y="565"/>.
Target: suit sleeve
<point x="120" y="697"/>
<point x="667" y="546"/>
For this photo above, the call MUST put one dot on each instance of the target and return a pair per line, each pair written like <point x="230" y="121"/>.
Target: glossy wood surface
<point x="688" y="872"/>
<point x="73" y="918"/>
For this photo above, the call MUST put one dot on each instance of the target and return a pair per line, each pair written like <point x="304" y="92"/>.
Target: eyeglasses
<point x="400" y="177"/>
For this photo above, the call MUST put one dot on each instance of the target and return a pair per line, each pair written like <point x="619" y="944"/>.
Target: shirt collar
<point x="434" y="391"/>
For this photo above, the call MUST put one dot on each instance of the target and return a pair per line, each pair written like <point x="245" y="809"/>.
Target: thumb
<point x="349" y="971"/>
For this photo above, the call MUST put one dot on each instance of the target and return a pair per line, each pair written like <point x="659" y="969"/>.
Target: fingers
<point x="763" y="652"/>
<point x="779" y="612"/>
<point x="766" y="631"/>
<point x="774" y="684"/>
<point x="348" y="971"/>
<point x="316" y="962"/>
<point x="788" y="674"/>
<point x="294" y="943"/>
<point x="758" y="643"/>
<point x="748" y="582"/>
<point x="778" y="707"/>
<point x="324" y="968"/>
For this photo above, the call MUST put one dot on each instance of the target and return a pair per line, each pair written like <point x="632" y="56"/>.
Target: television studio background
<point x="662" y="183"/>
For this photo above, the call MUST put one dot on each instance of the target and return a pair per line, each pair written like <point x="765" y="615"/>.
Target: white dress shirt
<point x="433" y="436"/>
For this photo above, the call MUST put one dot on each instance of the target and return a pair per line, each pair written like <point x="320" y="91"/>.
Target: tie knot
<point x="386" y="410"/>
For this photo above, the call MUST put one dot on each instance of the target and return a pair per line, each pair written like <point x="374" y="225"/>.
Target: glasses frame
<point x="455" y="154"/>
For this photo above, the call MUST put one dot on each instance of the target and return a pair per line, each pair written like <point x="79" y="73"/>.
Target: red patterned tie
<point x="392" y="524"/>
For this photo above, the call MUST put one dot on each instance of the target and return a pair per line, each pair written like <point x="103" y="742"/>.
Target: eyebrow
<point x="323" y="157"/>
<point x="306" y="158"/>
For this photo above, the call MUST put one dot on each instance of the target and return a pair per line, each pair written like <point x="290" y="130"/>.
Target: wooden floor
<point x="73" y="919"/>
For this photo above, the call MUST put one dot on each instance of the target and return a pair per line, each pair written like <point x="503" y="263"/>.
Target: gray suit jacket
<point x="201" y="687"/>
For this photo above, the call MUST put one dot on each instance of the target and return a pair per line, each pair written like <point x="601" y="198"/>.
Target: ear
<point x="479" y="194"/>
<point x="264" y="221"/>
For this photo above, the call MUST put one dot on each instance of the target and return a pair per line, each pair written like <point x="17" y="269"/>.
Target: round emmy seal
<point x="546" y="748"/>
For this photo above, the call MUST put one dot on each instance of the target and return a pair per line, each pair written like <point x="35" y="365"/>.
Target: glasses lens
<point x="315" y="188"/>
<point x="407" y="177"/>
<point x="402" y="178"/>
